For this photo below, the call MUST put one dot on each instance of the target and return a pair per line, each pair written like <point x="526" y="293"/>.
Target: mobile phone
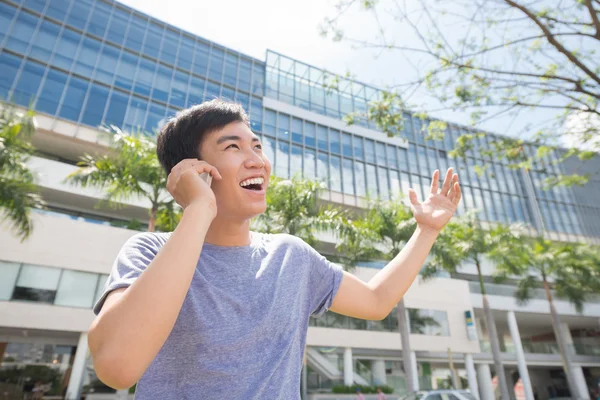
<point x="207" y="177"/>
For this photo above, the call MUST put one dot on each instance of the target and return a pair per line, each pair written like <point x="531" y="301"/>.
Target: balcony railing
<point x="509" y="290"/>
<point x="530" y="347"/>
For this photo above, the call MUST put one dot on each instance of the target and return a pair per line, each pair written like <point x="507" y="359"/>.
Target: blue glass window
<point x="87" y="56"/>
<point x="28" y="84"/>
<point x="297" y="130"/>
<point x="358" y="147"/>
<point x="336" y="173"/>
<point x="371" y="181"/>
<point x="256" y="114"/>
<point x="283" y="126"/>
<point x="78" y="15"/>
<point x="51" y="92"/>
<point x="7" y="13"/>
<point x="168" y="52"/>
<point x="99" y="19"/>
<point x="394" y="184"/>
<point x="370" y="150"/>
<point x="347" y="144"/>
<point x="230" y="73"/>
<point x="296" y="161"/>
<point x="162" y="82"/>
<point x="117" y="105"/>
<point x="243" y="99"/>
<point x="323" y="168"/>
<point x="348" y="176"/>
<point x="402" y="158"/>
<point x="196" y="91"/>
<point x="22" y="32"/>
<point x="309" y="134"/>
<point x="361" y="185"/>
<point x="201" y="58"/>
<point x="155" y="119"/>
<point x="66" y="49"/>
<point x="136" y="114"/>
<point x="310" y="171"/>
<point x="154" y="36"/>
<point x="144" y="77"/>
<point x="302" y="98"/>
<point x="57" y="9"/>
<point x="135" y="33"/>
<point x="283" y="159"/>
<point x="213" y="90"/>
<point x="244" y="75"/>
<point x="216" y="64"/>
<point x="317" y="99"/>
<point x="37" y="5"/>
<point x="43" y="43"/>
<point x="94" y="109"/>
<point x="384" y="185"/>
<point x="127" y="67"/>
<point x="227" y="93"/>
<point x="270" y="118"/>
<point x="334" y="141"/>
<point x="73" y="101"/>
<point x="391" y="154"/>
<point x="380" y="152"/>
<point x="117" y="26"/>
<point x="179" y="88"/>
<point x="332" y="106"/>
<point x="322" y="138"/>
<point x="186" y="53"/>
<point x="258" y="79"/>
<point x="269" y="149"/>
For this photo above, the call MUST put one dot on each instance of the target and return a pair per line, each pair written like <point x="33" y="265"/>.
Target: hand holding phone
<point x="189" y="182"/>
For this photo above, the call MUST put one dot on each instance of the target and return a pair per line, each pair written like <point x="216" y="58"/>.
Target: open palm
<point x="440" y="205"/>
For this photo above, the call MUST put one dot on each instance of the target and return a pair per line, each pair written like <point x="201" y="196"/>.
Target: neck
<point x="228" y="232"/>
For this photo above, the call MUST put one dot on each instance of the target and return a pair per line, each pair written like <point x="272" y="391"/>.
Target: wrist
<point x="427" y="230"/>
<point x="203" y="207"/>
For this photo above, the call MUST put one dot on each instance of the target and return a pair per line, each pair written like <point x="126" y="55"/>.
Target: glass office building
<point x="98" y="62"/>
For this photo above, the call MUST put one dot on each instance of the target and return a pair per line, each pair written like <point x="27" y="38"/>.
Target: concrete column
<point x="566" y="331"/>
<point x="78" y="370"/>
<point x="122" y="394"/>
<point x="413" y="363"/>
<point x="484" y="378"/>
<point x="378" y="367"/>
<point x="348" y="367"/>
<point x="471" y="377"/>
<point x="521" y="363"/>
<point x="580" y="382"/>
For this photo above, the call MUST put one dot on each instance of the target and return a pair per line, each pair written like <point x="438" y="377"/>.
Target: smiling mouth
<point x="255" y="184"/>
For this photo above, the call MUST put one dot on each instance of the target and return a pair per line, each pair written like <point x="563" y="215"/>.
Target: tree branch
<point x="554" y="42"/>
<point x="594" y="16"/>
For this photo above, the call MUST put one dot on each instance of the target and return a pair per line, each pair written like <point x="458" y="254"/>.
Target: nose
<point x="254" y="160"/>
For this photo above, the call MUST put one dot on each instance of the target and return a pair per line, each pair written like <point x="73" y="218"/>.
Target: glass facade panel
<point x="37" y="283"/>
<point x="369" y="151"/>
<point x="117" y="27"/>
<point x="348" y="176"/>
<point x="7" y="13"/>
<point x="73" y="99"/>
<point x="428" y="322"/>
<point x="76" y="289"/>
<point x="361" y="184"/>
<point x="28" y="84"/>
<point x="310" y="161"/>
<point x="372" y="181"/>
<point x="44" y="41"/>
<point x="282" y="164"/>
<point x="297" y="130"/>
<point x="94" y="108"/>
<point x="107" y="65"/>
<point x="323" y="168"/>
<point x="127" y="70"/>
<point x="322" y="138"/>
<point x="296" y="161"/>
<point x="215" y="69"/>
<point x="383" y="183"/>
<point x="66" y="49"/>
<point x="309" y="134"/>
<point x="8" y="277"/>
<point x="22" y="32"/>
<point x="117" y="106"/>
<point x="51" y="92"/>
<point x="283" y="126"/>
<point x="336" y="174"/>
<point x="99" y="19"/>
<point x="79" y="13"/>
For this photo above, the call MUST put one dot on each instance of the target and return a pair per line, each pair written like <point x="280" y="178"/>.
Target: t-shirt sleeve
<point x="324" y="282"/>
<point x="133" y="258"/>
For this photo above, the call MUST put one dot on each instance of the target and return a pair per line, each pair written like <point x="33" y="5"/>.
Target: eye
<point x="258" y="146"/>
<point x="232" y="145"/>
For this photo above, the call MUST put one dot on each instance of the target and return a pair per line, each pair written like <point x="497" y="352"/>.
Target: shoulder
<point x="273" y="241"/>
<point x="146" y="241"/>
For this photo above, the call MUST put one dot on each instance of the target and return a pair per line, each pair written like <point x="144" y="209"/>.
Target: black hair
<point x="182" y="135"/>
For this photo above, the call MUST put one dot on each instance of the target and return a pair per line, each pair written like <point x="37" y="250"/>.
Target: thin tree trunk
<point x="493" y="336"/>
<point x="405" y="338"/>
<point x="152" y="222"/>
<point x="565" y="354"/>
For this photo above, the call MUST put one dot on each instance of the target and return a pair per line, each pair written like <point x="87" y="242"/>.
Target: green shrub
<point x="341" y="389"/>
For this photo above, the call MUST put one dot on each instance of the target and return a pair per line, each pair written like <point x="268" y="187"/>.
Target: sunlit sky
<point x="291" y="28"/>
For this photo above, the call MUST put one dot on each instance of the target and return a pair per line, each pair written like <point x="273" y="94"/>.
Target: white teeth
<point x="254" y="181"/>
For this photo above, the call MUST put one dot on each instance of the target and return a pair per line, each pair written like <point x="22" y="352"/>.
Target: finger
<point x="457" y="194"/>
<point x="412" y="195"/>
<point x="435" y="181"/>
<point x="184" y="164"/>
<point x="447" y="182"/>
<point x="203" y="166"/>
<point x="452" y="182"/>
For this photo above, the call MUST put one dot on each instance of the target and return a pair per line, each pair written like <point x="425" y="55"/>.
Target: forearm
<point x="133" y="329"/>
<point x="392" y="282"/>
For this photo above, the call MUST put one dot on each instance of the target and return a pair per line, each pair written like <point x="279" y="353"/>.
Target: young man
<point x="214" y="311"/>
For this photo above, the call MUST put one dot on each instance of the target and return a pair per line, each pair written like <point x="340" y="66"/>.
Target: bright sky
<point x="291" y="28"/>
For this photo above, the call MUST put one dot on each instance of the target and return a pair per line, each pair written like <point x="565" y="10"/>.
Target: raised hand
<point x="435" y="212"/>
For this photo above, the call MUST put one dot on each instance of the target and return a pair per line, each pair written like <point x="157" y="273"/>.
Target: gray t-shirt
<point x="242" y="328"/>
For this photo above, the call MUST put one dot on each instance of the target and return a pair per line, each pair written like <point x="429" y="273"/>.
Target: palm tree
<point x="293" y="208"/>
<point x="466" y="240"/>
<point x="18" y="191"/>
<point x="130" y="169"/>
<point x="571" y="270"/>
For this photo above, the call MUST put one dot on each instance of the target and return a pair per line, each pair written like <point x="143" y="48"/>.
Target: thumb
<point x="412" y="195"/>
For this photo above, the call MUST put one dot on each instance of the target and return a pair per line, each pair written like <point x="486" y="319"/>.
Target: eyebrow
<point x="234" y="138"/>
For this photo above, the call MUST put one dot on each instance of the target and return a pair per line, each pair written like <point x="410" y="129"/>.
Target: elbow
<point x="111" y="365"/>
<point x="379" y="315"/>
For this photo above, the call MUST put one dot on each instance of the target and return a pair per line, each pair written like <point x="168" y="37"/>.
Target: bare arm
<point x="376" y="299"/>
<point x="135" y="322"/>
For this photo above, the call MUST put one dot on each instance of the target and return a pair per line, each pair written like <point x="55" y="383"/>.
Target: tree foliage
<point x="496" y="60"/>
<point x="18" y="191"/>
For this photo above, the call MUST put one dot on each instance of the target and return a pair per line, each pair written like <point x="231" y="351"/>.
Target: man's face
<point x="237" y="154"/>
